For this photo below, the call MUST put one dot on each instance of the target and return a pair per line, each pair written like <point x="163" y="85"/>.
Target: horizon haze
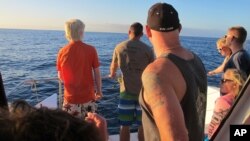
<point x="198" y="18"/>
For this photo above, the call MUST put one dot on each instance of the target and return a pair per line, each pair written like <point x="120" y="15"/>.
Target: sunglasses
<point x="233" y="37"/>
<point x="219" y="49"/>
<point x="225" y="81"/>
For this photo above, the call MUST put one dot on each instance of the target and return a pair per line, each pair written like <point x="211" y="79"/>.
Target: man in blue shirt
<point x="240" y="59"/>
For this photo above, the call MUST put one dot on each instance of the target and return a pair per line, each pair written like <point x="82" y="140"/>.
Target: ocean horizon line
<point x="110" y="32"/>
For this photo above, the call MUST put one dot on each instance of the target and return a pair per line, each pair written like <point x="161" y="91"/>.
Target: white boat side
<point x="212" y="95"/>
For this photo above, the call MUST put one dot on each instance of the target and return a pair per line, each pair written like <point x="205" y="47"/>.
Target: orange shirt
<point x="76" y="62"/>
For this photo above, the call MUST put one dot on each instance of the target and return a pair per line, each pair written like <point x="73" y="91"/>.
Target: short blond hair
<point x="74" y="29"/>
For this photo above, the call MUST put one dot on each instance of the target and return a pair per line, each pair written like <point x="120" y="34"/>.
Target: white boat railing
<point x="56" y="101"/>
<point x="34" y="89"/>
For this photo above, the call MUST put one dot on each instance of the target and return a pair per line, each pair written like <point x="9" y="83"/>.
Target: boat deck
<point x="213" y="94"/>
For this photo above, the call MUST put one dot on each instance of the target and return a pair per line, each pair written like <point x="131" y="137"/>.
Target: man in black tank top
<point x="173" y="97"/>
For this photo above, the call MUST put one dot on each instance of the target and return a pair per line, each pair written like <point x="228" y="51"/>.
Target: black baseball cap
<point x="163" y="17"/>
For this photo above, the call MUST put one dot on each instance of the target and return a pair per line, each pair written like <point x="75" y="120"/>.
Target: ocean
<point x="31" y="54"/>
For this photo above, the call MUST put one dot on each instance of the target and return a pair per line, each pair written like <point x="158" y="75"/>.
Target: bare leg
<point x="124" y="133"/>
<point x="140" y="134"/>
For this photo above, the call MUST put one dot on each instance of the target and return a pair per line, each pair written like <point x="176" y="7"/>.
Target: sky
<point x="206" y="18"/>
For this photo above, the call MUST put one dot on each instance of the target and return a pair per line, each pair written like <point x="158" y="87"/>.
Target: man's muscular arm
<point x="164" y="104"/>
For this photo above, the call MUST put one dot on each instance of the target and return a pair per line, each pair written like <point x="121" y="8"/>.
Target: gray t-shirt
<point x="132" y="56"/>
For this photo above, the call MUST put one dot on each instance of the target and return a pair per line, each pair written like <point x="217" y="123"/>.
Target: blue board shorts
<point x="129" y="110"/>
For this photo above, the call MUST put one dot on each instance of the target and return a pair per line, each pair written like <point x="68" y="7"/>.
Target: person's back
<point x="173" y="97"/>
<point x="76" y="62"/>
<point x="193" y="103"/>
<point x="131" y="56"/>
<point x="78" y="68"/>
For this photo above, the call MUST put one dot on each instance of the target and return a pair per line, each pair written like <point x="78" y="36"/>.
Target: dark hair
<point x="54" y="125"/>
<point x="46" y="125"/>
<point x="20" y="108"/>
<point x="242" y="33"/>
<point x="137" y="28"/>
<point x="7" y="126"/>
<point x="8" y="119"/>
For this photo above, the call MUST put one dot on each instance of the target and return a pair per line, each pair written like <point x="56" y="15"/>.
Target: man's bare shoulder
<point x="150" y="76"/>
<point x="156" y="73"/>
<point x="159" y="65"/>
<point x="163" y="75"/>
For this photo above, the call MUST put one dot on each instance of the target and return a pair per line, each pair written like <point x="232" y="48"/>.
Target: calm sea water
<point x="31" y="54"/>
